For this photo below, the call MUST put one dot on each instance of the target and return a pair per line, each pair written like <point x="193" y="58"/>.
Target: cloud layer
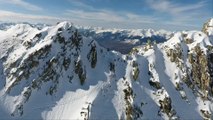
<point x="179" y="13"/>
<point x="164" y="14"/>
<point x="22" y="4"/>
<point x="19" y="17"/>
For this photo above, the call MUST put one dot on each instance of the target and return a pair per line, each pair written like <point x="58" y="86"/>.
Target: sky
<point x="126" y="14"/>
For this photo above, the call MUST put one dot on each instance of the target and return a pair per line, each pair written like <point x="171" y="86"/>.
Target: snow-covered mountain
<point x="60" y="72"/>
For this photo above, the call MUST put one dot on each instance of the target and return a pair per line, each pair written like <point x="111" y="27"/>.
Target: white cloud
<point x="180" y="14"/>
<point x="80" y="4"/>
<point x="111" y="19"/>
<point x="20" y="17"/>
<point x="109" y="16"/>
<point x="85" y="11"/>
<point x="141" y="18"/>
<point x="172" y="8"/>
<point x="23" y="4"/>
<point x="98" y="15"/>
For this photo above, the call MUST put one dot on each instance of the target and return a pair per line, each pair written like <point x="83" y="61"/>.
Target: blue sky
<point x="144" y="14"/>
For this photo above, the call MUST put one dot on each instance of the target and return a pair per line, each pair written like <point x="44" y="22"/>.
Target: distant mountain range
<point x="7" y="25"/>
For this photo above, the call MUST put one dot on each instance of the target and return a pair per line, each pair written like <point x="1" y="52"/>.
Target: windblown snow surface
<point x="60" y="73"/>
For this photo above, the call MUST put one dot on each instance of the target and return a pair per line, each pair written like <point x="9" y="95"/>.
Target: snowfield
<point x="67" y="72"/>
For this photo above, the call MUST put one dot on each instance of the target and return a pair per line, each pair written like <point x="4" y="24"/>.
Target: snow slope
<point x="58" y="72"/>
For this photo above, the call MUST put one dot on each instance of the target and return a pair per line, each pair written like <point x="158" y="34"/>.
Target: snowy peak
<point x="208" y="27"/>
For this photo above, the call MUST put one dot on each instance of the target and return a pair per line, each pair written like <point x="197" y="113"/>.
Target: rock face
<point x="59" y="73"/>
